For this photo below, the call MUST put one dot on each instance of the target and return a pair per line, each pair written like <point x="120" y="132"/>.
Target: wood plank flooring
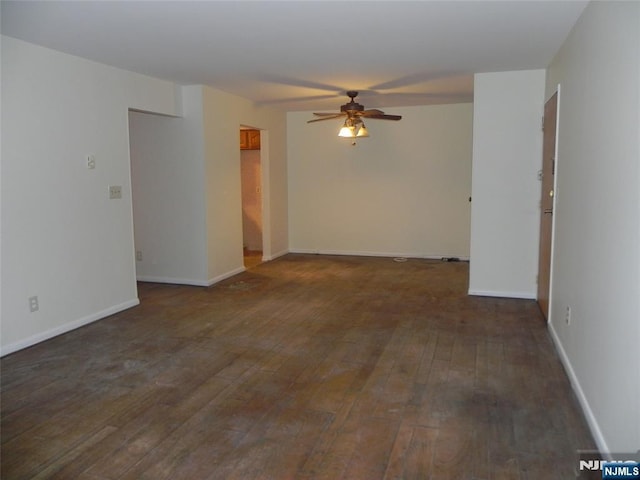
<point x="252" y="258"/>
<point x="306" y="367"/>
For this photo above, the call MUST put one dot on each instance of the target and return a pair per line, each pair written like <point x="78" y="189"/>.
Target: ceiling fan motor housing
<point x="352" y="106"/>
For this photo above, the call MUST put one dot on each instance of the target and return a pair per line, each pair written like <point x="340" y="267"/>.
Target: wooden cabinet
<point x="249" y="139"/>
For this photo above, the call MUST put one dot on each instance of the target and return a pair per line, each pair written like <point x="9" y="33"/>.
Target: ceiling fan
<point x="353" y="124"/>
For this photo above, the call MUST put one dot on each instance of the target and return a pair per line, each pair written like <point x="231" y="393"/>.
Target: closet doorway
<point x="251" y="179"/>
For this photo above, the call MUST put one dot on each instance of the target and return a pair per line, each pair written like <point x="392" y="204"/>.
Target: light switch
<point x="91" y="162"/>
<point x="115" y="191"/>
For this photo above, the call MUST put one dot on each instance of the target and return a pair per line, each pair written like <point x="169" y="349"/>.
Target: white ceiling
<point x="303" y="55"/>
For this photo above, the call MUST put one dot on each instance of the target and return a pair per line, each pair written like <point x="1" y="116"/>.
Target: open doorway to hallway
<point x="251" y="179"/>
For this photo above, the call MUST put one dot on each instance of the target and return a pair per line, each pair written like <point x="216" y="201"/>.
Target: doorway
<point x="547" y="202"/>
<point x="251" y="182"/>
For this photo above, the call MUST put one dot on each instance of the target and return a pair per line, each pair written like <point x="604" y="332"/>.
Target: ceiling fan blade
<point x="326" y="118"/>
<point x="353" y="111"/>
<point x="385" y="117"/>
<point x="371" y="111"/>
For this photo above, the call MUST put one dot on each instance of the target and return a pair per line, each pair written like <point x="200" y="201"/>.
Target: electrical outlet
<point x="33" y="304"/>
<point x="567" y="316"/>
<point x="91" y="162"/>
<point x="139" y="255"/>
<point x="115" y="191"/>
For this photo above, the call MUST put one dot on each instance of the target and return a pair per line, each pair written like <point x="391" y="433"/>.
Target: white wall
<point x="223" y="115"/>
<point x="188" y="199"/>
<point x="402" y="191"/>
<point x="167" y="163"/>
<point x="507" y="155"/>
<point x="63" y="239"/>
<point x="596" y="264"/>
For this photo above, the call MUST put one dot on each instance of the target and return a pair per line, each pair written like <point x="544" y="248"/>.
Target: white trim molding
<point x="503" y="294"/>
<point x="273" y="256"/>
<point x="172" y="280"/>
<point x="67" y="327"/>
<point x="358" y="253"/>
<point x="575" y="383"/>
<point x="224" y="276"/>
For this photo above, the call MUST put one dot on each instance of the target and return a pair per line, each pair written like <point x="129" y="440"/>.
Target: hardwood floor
<point x="307" y="367"/>
<point x="252" y="258"/>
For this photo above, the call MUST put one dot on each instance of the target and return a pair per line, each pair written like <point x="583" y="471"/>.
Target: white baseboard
<point x="273" y="256"/>
<point x="305" y="251"/>
<point x="495" y="293"/>
<point x="575" y="384"/>
<point x="190" y="281"/>
<point x="359" y="253"/>
<point x="172" y="280"/>
<point x="224" y="276"/>
<point x="67" y="327"/>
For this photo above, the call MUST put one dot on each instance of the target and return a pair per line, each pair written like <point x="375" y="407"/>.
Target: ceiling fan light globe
<point x="362" y="132"/>
<point x="347" y="132"/>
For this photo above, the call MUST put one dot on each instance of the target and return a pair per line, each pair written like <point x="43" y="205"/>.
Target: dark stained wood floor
<point x="307" y="367"/>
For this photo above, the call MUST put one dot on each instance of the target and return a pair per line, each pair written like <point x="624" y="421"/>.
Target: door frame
<point x="548" y="313"/>
<point x="264" y="190"/>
